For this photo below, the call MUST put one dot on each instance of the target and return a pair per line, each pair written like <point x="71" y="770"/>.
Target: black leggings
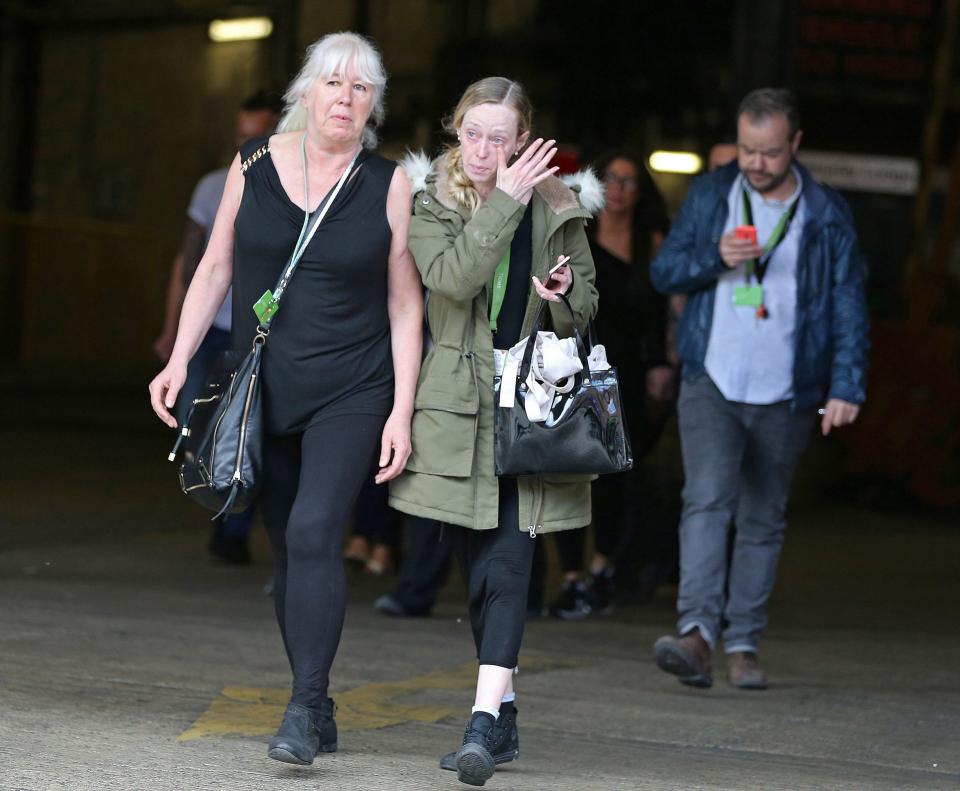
<point x="310" y="486"/>
<point x="497" y="565"/>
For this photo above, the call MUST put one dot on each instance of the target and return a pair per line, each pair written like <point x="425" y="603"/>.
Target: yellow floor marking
<point x="257" y="711"/>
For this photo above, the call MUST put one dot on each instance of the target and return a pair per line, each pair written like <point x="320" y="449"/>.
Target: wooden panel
<point x="90" y="293"/>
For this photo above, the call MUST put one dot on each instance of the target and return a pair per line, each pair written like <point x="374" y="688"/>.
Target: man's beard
<point x="775" y="182"/>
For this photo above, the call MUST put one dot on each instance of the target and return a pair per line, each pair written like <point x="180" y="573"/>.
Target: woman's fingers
<point x="386" y="446"/>
<point x="400" y="455"/>
<point x="158" y="397"/>
<point x="528" y="153"/>
<point x="544" y="292"/>
<point x="546" y="154"/>
<point x="542" y="156"/>
<point x="543" y="176"/>
<point x="531" y="167"/>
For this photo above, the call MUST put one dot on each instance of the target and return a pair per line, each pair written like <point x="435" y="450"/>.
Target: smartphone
<point x="553" y="269"/>
<point x="746" y="232"/>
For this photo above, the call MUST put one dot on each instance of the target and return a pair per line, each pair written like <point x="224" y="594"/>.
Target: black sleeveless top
<point x="329" y="347"/>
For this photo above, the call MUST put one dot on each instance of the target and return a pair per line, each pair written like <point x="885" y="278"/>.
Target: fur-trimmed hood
<point x="560" y="194"/>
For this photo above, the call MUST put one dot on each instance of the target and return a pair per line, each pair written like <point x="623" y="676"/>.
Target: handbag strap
<point x="532" y="340"/>
<point x="263" y="327"/>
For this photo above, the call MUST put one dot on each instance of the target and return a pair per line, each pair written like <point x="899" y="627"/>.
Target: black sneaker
<point x="475" y="764"/>
<point x="599" y="595"/>
<point x="504" y="743"/>
<point x="304" y="733"/>
<point x="571" y="604"/>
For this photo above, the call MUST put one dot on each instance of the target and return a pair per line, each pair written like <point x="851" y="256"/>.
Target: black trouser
<point x="426" y="564"/>
<point x="618" y="510"/>
<point x="497" y="565"/>
<point x="311" y="483"/>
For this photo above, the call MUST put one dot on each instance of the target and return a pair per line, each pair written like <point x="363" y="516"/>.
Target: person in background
<point x="775" y="325"/>
<point x="423" y="572"/>
<point x="721" y="154"/>
<point x="257" y="117"/>
<point x="340" y="369"/>
<point x="632" y="325"/>
<point x="373" y="546"/>
<point x="489" y="203"/>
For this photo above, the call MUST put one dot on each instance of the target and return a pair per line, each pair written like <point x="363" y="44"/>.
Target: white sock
<point x="495" y="713"/>
<point x="509" y="697"/>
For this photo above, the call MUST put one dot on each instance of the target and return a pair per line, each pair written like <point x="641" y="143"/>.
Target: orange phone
<point x="746" y="232"/>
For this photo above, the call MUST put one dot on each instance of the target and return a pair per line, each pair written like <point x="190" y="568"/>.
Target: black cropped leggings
<point x="497" y="564"/>
<point x="310" y="486"/>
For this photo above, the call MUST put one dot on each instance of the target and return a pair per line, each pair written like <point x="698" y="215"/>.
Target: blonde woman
<point x="490" y="205"/>
<point x="340" y="367"/>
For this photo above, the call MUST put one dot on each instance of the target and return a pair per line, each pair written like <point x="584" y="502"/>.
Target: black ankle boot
<point x="475" y="764"/>
<point x="504" y="743"/>
<point x="304" y="733"/>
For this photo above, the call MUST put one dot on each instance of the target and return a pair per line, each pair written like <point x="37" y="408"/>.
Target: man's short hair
<point x="264" y="100"/>
<point x="762" y="103"/>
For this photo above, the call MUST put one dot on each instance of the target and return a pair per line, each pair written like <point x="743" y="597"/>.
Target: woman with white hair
<point x="340" y="369"/>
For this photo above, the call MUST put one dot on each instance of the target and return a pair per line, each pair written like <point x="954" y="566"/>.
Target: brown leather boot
<point x="744" y="671"/>
<point x="686" y="657"/>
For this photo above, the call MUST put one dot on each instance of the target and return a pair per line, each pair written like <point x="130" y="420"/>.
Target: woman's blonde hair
<point x="489" y="90"/>
<point x="331" y="55"/>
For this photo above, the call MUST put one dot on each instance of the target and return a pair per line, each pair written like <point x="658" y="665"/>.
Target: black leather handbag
<point x="223" y="432"/>
<point x="588" y="436"/>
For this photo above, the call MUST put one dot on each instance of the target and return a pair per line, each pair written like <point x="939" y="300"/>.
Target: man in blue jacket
<point x="775" y="325"/>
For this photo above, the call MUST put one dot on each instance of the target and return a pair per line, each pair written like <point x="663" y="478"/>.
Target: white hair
<point x="333" y="54"/>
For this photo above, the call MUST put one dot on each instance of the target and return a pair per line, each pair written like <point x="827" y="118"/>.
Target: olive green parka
<point x="450" y="474"/>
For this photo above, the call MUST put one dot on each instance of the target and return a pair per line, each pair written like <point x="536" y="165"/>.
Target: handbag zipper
<point x="216" y="428"/>
<point x="243" y="427"/>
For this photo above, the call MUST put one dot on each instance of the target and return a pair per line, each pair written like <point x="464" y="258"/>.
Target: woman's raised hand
<point x="531" y="167"/>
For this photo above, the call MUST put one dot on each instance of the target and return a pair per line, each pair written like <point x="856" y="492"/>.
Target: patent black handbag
<point x="587" y="431"/>
<point x="223" y="433"/>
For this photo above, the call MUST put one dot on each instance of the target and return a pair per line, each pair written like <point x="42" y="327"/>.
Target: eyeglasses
<point x="627" y="182"/>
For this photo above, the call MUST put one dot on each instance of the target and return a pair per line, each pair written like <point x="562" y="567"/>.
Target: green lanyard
<point x="498" y="288"/>
<point x="779" y="232"/>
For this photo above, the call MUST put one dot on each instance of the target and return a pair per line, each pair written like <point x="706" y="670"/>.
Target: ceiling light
<point x="243" y="29"/>
<point x="676" y="162"/>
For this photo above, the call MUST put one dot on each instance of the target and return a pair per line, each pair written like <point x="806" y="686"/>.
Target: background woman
<point x="490" y="199"/>
<point x="340" y="366"/>
<point x="633" y="327"/>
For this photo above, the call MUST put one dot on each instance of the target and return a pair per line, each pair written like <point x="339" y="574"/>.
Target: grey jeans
<point x="738" y="461"/>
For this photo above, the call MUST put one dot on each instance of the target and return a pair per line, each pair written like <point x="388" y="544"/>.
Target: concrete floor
<point x="128" y="660"/>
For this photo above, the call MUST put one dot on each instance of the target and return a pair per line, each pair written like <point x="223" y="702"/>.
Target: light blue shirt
<point x="203" y="210"/>
<point x="748" y="358"/>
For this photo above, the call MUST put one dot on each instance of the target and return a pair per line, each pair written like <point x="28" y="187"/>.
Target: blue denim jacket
<point x="831" y="340"/>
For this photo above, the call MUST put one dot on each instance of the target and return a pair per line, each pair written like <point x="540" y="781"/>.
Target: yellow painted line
<point x="257" y="711"/>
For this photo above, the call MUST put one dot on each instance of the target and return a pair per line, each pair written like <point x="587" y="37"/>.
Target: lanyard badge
<point x="750" y="295"/>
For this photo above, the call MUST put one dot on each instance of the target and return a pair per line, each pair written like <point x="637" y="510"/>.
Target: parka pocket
<point x="566" y="500"/>
<point x="444" y="428"/>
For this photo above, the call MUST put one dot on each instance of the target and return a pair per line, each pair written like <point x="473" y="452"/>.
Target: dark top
<point x="510" y="320"/>
<point x="631" y="324"/>
<point x="632" y="321"/>
<point x="329" y="347"/>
